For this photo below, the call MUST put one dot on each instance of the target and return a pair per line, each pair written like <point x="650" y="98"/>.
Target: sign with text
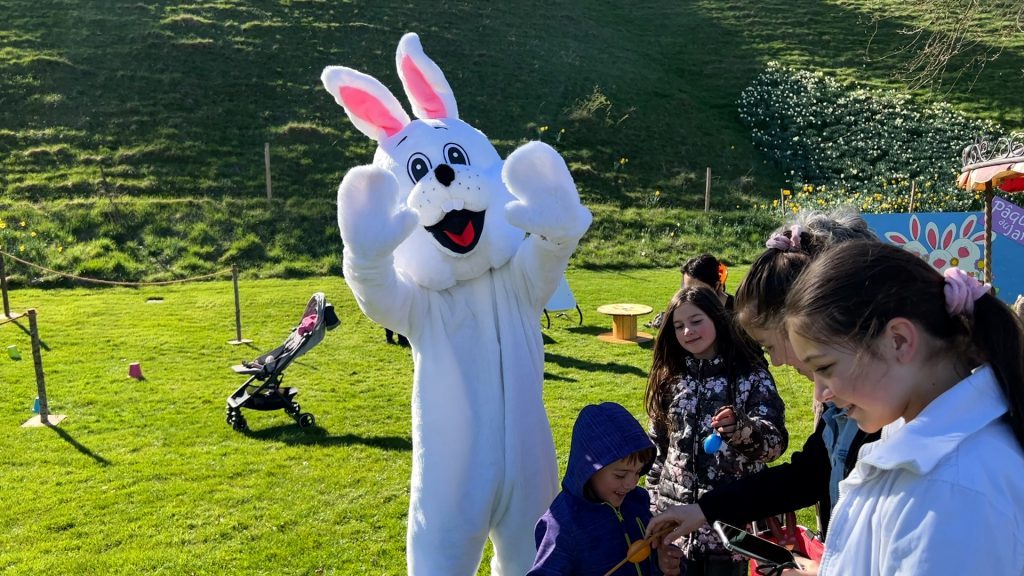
<point x="1008" y="219"/>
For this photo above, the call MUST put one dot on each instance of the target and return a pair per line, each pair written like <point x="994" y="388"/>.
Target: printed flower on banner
<point x="962" y="250"/>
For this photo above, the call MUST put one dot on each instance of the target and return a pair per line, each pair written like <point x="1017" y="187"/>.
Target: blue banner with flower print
<point x="948" y="239"/>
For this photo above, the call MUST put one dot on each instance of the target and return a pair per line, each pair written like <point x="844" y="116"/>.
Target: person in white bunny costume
<point x="458" y="250"/>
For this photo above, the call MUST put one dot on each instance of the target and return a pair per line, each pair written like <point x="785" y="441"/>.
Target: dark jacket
<point x="683" y="472"/>
<point x="582" y="536"/>
<point x="799" y="483"/>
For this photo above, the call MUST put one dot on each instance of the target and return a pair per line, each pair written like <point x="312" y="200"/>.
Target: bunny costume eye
<point x="418" y="166"/>
<point x="454" y="154"/>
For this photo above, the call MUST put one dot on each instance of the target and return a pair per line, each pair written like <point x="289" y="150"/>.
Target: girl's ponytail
<point x="998" y="335"/>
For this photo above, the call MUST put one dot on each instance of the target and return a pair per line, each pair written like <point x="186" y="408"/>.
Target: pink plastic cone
<point x="135" y="370"/>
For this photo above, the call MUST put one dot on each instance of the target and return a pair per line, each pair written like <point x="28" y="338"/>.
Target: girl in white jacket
<point x="893" y="340"/>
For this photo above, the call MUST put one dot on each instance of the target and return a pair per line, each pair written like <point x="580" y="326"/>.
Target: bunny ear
<point x="968" y="226"/>
<point x="948" y="235"/>
<point x="370" y="106"/>
<point x="896" y="238"/>
<point x="915" y="227"/>
<point x="424" y="83"/>
<point x="931" y="232"/>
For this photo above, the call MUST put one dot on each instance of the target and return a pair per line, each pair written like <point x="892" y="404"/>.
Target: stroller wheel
<point x="238" y="424"/>
<point x="293" y="410"/>
<point x="306" y="420"/>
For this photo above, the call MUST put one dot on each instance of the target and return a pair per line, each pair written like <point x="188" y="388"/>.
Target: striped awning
<point x="1006" y="175"/>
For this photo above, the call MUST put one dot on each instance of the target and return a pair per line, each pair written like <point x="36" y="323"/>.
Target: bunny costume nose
<point x="444" y="174"/>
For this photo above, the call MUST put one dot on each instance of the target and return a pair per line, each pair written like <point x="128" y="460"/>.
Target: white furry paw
<point x="547" y="203"/>
<point x="372" y="219"/>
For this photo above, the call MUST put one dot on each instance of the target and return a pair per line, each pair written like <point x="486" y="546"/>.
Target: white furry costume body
<point x="436" y="249"/>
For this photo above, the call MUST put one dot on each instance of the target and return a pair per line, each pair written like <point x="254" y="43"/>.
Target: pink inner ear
<point x="968" y="227"/>
<point x="422" y="92"/>
<point x="369" y="108"/>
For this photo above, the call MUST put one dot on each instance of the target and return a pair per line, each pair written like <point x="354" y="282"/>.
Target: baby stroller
<point x="263" y="390"/>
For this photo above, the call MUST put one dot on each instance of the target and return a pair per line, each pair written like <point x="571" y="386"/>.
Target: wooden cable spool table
<point x="624" y="323"/>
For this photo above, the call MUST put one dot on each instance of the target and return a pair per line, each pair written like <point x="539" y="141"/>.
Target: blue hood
<point x="603" y="434"/>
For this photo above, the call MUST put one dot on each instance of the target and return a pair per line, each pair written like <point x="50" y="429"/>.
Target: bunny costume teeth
<point x="457" y="249"/>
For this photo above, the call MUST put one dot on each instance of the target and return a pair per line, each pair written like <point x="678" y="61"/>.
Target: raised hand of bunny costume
<point x="371" y="212"/>
<point x="436" y="248"/>
<point x="547" y="203"/>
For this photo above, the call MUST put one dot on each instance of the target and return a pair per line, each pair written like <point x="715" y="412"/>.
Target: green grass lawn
<point x="146" y="477"/>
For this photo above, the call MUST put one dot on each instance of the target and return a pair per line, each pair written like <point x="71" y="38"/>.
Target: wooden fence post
<point x="266" y="167"/>
<point x="37" y="359"/>
<point x="707" y="190"/>
<point x="3" y="287"/>
<point x="238" y="311"/>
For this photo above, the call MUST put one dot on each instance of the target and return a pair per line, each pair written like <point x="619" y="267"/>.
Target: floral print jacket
<point x="682" y="471"/>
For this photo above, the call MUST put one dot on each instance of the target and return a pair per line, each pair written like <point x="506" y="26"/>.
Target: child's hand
<point x="724" y="421"/>
<point x="670" y="559"/>
<point x="682" y="520"/>
<point x="808" y="567"/>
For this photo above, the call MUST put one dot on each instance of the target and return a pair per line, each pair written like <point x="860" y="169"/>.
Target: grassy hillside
<point x="167" y="100"/>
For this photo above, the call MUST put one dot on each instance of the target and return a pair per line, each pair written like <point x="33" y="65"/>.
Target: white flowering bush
<point x="840" y="144"/>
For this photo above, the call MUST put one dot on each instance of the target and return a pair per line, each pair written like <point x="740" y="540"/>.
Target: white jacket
<point x="944" y="494"/>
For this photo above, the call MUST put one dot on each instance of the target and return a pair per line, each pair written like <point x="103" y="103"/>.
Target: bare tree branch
<point x="949" y="40"/>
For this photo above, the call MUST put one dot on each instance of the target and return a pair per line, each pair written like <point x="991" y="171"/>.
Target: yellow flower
<point x="786" y="192"/>
<point x="22" y="223"/>
<point x="3" y="224"/>
<point x="543" y="128"/>
<point x="623" y="160"/>
<point x="775" y="203"/>
<point x="33" y="234"/>
<point x="60" y="249"/>
<point x="657" y="192"/>
<point x="21" y="248"/>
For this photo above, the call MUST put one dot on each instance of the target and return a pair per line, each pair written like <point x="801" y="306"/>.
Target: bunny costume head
<point x="448" y="172"/>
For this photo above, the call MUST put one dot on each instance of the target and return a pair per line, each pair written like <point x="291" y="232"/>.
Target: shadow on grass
<point x="610" y="367"/>
<point x="28" y="332"/>
<point x="317" y="436"/>
<point x="80" y="447"/>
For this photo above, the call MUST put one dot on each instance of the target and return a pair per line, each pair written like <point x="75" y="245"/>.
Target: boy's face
<point x="614" y="481"/>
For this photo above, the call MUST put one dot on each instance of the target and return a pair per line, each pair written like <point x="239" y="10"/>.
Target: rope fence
<point x="233" y="271"/>
<point x="43" y="403"/>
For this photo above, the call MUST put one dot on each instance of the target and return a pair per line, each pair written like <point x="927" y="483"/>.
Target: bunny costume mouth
<point x="459" y="230"/>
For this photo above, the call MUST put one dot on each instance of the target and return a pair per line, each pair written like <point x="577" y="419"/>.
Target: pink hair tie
<point x="779" y="241"/>
<point x="962" y="291"/>
<point x="794" y="236"/>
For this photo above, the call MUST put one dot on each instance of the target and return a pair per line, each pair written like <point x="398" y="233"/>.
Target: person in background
<point x="938" y="360"/>
<point x="708" y="381"/>
<point x="704" y="270"/>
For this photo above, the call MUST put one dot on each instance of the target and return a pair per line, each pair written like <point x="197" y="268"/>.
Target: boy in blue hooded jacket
<point x="600" y="511"/>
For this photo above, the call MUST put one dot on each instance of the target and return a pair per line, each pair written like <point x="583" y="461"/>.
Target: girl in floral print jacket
<point x="708" y="377"/>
